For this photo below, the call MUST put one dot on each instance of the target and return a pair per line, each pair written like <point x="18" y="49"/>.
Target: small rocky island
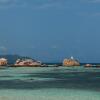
<point x="27" y="62"/>
<point x="18" y="61"/>
<point x="3" y="62"/>
<point x="71" y="62"/>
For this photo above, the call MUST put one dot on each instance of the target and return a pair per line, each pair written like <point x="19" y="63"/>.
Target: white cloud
<point x="12" y="3"/>
<point x="4" y="1"/>
<point x="7" y="1"/>
<point x="35" y="5"/>
<point x="45" y="5"/>
<point x="54" y="47"/>
<point x="92" y="1"/>
<point x="88" y="14"/>
<point x="3" y="48"/>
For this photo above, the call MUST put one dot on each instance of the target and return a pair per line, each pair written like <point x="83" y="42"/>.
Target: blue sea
<point x="49" y="83"/>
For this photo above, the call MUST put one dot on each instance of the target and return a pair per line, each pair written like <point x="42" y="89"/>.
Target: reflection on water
<point x="49" y="83"/>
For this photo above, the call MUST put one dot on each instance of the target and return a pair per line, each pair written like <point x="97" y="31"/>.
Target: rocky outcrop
<point x="3" y="62"/>
<point x="71" y="62"/>
<point x="88" y="65"/>
<point x="27" y="62"/>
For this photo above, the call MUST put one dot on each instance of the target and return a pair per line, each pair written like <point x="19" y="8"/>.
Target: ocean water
<point x="50" y="83"/>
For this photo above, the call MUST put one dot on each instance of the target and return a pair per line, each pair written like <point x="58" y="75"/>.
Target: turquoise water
<point x="50" y="83"/>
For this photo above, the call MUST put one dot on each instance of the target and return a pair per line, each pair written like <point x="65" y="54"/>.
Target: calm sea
<point x="50" y="83"/>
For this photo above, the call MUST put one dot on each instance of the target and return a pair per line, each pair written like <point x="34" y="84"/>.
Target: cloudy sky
<point x="50" y="30"/>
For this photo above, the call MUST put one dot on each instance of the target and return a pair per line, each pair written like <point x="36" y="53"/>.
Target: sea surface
<point x="50" y="83"/>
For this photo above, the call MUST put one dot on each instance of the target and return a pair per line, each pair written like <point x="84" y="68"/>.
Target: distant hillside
<point x="12" y="58"/>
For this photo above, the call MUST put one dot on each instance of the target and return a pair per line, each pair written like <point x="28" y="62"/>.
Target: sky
<point x="51" y="30"/>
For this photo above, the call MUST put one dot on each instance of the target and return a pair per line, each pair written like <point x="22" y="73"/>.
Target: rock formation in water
<point x="88" y="65"/>
<point x="3" y="62"/>
<point x="71" y="62"/>
<point x="27" y="62"/>
<point x="12" y="58"/>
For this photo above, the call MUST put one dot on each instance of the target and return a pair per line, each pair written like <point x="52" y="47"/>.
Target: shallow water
<point x="50" y="83"/>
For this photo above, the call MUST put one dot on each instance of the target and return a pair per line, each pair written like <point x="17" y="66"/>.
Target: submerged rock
<point x="71" y="62"/>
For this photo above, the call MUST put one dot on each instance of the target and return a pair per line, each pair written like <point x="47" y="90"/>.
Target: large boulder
<point x="71" y="62"/>
<point x="3" y="62"/>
